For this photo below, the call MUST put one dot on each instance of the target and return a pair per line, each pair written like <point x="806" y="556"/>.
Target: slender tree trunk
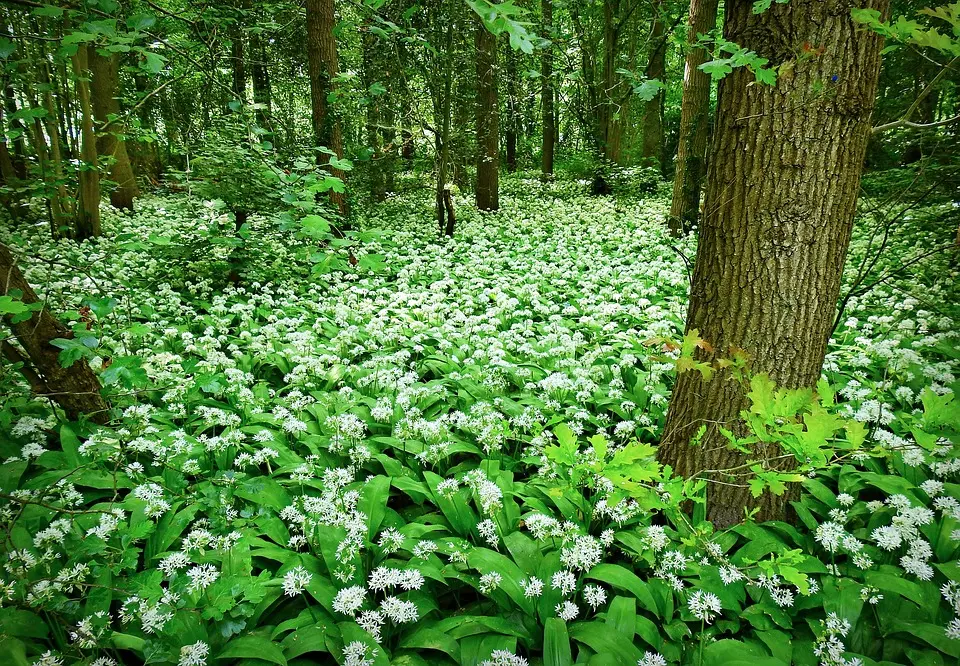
<point x="371" y="75"/>
<point x="513" y="118"/>
<point x="608" y="131"/>
<point x="238" y="64"/>
<point x="781" y="195"/>
<point x="60" y="203"/>
<point x="262" y="89"/>
<point x="442" y="141"/>
<point x="111" y="144"/>
<point x="324" y="66"/>
<point x="656" y="69"/>
<point x="88" y="207"/>
<point x="76" y="389"/>
<point x="546" y="92"/>
<point x="488" y="126"/>
<point x="694" y="122"/>
<point x="10" y="106"/>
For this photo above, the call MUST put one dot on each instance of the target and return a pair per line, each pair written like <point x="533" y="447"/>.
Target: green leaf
<point x="556" y="643"/>
<point x="152" y="62"/>
<point x="253" y="647"/>
<point x="599" y="638"/>
<point x="619" y="577"/>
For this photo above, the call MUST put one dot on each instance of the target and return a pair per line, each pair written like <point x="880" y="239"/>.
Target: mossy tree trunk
<point x="546" y="92"/>
<point x="104" y="87"/>
<point x="781" y="194"/>
<point x="76" y="389"/>
<point x="488" y="125"/>
<point x="694" y="122"/>
<point x="324" y="65"/>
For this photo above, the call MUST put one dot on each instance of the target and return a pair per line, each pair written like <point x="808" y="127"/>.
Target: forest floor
<point x="247" y="369"/>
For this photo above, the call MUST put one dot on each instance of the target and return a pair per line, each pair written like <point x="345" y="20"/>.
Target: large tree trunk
<point x="781" y="195"/>
<point x="546" y="92"/>
<point x="488" y="127"/>
<point x="656" y="68"/>
<point x="76" y="389"/>
<point x="694" y="122"/>
<point x="323" y="66"/>
<point x="110" y="143"/>
<point x="88" y="207"/>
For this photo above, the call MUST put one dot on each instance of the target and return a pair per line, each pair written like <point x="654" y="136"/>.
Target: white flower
<point x="490" y="582"/>
<point x="295" y="581"/>
<point x="400" y="611"/>
<point x="887" y="537"/>
<point x="349" y="600"/>
<point x="565" y="581"/>
<point x="567" y="611"/>
<point x="532" y="587"/>
<point x="704" y="605"/>
<point x="594" y="595"/>
<point x="201" y="577"/>
<point x="194" y="655"/>
<point x="652" y="659"/>
<point x="730" y="574"/>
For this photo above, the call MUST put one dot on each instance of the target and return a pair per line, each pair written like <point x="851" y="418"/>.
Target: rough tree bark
<point x="76" y="389"/>
<point x="88" y="206"/>
<point x="323" y="65"/>
<point x="694" y="122"/>
<point x="656" y="68"/>
<point x="781" y="194"/>
<point x="546" y="92"/>
<point x="488" y="126"/>
<point x="104" y="84"/>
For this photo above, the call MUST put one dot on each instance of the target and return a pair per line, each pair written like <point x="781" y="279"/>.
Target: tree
<point x="88" y="206"/>
<point x="104" y="85"/>
<point x="694" y="122"/>
<point x="76" y="389"/>
<point x="488" y="127"/>
<point x="547" y="92"/>
<point x="323" y="66"/>
<point x="781" y="194"/>
<point x="513" y="117"/>
<point x="656" y="68"/>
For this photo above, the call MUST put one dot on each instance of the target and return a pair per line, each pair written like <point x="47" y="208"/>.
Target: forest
<point x="479" y="332"/>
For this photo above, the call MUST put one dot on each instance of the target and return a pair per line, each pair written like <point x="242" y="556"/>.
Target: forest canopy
<point x="478" y="333"/>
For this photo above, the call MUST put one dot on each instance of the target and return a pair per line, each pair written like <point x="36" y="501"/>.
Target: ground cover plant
<point x="449" y="458"/>
<point x="479" y="333"/>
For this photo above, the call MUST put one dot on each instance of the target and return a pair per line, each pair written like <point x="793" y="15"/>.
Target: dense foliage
<point x="395" y="449"/>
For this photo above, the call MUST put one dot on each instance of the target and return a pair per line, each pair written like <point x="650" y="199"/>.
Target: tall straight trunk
<point x="694" y="122"/>
<point x="262" y="90"/>
<point x="48" y="172"/>
<point x="445" y="219"/>
<point x="656" y="68"/>
<point x="60" y="201"/>
<point x="781" y="194"/>
<point x="10" y="107"/>
<point x="608" y="125"/>
<point x="546" y="91"/>
<point x="488" y="126"/>
<point x="88" y="207"/>
<point x="238" y="64"/>
<point x="76" y="389"/>
<point x="323" y="66"/>
<point x="513" y="114"/>
<point x="111" y="144"/>
<point x="371" y="75"/>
